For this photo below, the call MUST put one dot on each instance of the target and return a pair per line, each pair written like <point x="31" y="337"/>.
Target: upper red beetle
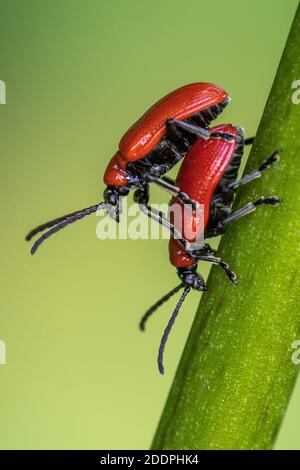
<point x="183" y="103"/>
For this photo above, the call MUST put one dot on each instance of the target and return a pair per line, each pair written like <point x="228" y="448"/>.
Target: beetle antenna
<point x="53" y="222"/>
<point x="60" y="223"/>
<point x="168" y="329"/>
<point x="154" y="307"/>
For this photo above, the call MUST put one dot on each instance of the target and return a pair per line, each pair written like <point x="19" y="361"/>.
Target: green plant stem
<point x="236" y="375"/>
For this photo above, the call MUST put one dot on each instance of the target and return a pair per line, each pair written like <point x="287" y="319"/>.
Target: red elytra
<point x="199" y="176"/>
<point x="146" y="133"/>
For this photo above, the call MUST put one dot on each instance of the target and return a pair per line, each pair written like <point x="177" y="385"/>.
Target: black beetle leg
<point x="204" y="254"/>
<point x="174" y="190"/>
<point x="274" y="158"/>
<point x="221" y="226"/>
<point x="247" y="209"/>
<point x="207" y="250"/>
<point x="249" y="140"/>
<point x="175" y="126"/>
<point x="169" y="180"/>
<point x="142" y="199"/>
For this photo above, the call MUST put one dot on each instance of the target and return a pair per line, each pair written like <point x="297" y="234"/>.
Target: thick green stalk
<point x="236" y="375"/>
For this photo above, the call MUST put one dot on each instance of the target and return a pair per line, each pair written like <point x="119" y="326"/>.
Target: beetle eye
<point x="112" y="199"/>
<point x="111" y="196"/>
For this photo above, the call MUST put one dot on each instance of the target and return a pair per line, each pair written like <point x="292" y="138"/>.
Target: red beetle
<point x="209" y="175"/>
<point x="197" y="104"/>
<point x="150" y="148"/>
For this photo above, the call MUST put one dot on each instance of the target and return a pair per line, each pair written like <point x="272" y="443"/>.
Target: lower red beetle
<point x="209" y="176"/>
<point x="150" y="148"/>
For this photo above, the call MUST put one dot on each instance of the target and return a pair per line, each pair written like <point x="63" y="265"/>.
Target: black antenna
<point x="60" y="223"/>
<point x="168" y="329"/>
<point x="53" y="222"/>
<point x="154" y="307"/>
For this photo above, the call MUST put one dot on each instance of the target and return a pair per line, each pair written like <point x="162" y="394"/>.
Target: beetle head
<point x="113" y="198"/>
<point x="191" y="278"/>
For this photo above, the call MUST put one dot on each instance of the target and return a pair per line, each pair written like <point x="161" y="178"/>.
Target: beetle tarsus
<point x="273" y="159"/>
<point x="271" y="200"/>
<point x="247" y="209"/>
<point x="204" y="255"/>
<point x="249" y="140"/>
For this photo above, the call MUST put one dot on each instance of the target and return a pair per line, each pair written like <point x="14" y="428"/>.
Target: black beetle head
<point x="191" y="278"/>
<point x="112" y="197"/>
<point x="112" y="194"/>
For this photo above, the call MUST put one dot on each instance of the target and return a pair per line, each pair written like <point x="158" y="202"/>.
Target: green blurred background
<point x="79" y="374"/>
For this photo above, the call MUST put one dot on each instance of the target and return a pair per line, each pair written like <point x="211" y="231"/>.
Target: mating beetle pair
<point x="150" y="148"/>
<point x="177" y="127"/>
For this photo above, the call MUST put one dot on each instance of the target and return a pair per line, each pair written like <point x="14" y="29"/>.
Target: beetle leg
<point x="174" y="190"/>
<point x="168" y="180"/>
<point x="206" y="249"/>
<point x="176" y="125"/>
<point x="141" y="196"/>
<point x="274" y="158"/>
<point x="249" y="140"/>
<point x="167" y="186"/>
<point x="204" y="254"/>
<point x="159" y="217"/>
<point x="247" y="209"/>
<point x="142" y="199"/>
